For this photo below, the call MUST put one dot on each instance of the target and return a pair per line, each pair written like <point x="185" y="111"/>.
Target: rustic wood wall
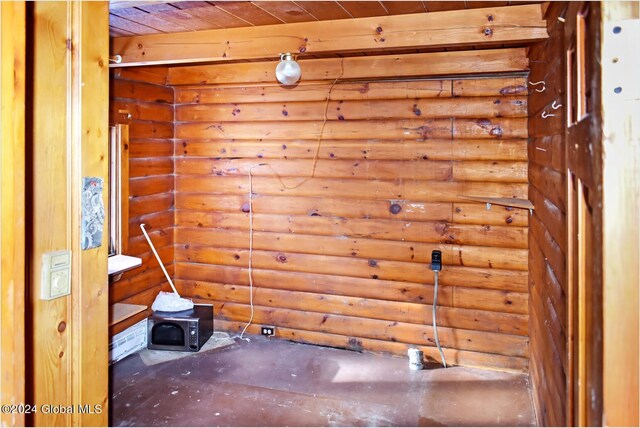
<point x="342" y="258"/>
<point x="548" y="322"/>
<point x="151" y="184"/>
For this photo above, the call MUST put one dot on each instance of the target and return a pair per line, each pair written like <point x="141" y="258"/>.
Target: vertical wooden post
<point x="90" y="136"/>
<point x="68" y="140"/>
<point x="621" y="205"/>
<point x="12" y="200"/>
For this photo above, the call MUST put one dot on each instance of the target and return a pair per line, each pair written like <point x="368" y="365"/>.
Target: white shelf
<point x="121" y="263"/>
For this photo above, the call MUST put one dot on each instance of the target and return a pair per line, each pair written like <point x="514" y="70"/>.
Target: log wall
<point x="548" y="318"/>
<point x="341" y="246"/>
<point x="151" y="182"/>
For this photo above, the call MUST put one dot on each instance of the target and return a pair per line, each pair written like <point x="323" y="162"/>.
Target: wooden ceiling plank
<point x="248" y="12"/>
<point x="386" y="66"/>
<point x="324" y="10"/>
<point x="186" y="5"/>
<point x="520" y="24"/>
<point x="286" y="11"/>
<point x="210" y="13"/>
<point x="129" y="27"/>
<point x="177" y="16"/>
<point x="442" y="6"/>
<point x="148" y="19"/>
<point x="404" y="7"/>
<point x="116" y="32"/>
<point x="363" y="9"/>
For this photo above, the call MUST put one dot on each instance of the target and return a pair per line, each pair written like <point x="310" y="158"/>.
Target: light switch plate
<point x="56" y="274"/>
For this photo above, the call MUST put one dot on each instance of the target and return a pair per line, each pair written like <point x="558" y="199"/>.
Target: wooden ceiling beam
<point x="476" y="27"/>
<point x="352" y="68"/>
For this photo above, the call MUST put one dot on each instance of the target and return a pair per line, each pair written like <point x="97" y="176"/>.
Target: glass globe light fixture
<point x="288" y="70"/>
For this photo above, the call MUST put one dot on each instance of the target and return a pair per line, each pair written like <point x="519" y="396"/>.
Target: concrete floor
<point x="269" y="382"/>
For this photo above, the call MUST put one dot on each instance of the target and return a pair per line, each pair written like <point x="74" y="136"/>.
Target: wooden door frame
<point x="584" y="214"/>
<point x="12" y="200"/>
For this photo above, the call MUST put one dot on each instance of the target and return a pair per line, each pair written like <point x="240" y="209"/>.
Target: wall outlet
<point x="268" y="330"/>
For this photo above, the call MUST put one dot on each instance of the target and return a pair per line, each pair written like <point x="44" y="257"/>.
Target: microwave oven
<point x="185" y="331"/>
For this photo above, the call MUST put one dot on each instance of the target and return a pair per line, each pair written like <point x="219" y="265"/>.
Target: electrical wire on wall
<point x="316" y="156"/>
<point x="250" y="249"/>
<point x="275" y="173"/>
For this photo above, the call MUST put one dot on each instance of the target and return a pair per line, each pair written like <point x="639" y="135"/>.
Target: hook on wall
<point x="546" y="115"/>
<point x="117" y="59"/>
<point x="544" y="85"/>
<point x="554" y="106"/>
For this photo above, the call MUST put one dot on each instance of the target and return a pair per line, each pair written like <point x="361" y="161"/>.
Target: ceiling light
<point x="288" y="70"/>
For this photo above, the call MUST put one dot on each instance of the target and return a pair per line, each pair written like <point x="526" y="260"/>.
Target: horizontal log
<point x="412" y="31"/>
<point x="550" y="290"/>
<point x="487" y="171"/>
<point x="343" y="266"/>
<point x="548" y="151"/>
<point x="146" y="130"/>
<point x="374" y="150"/>
<point x="142" y="205"/>
<point x="149" y="148"/>
<point x="433" y="232"/>
<point x="359" y="344"/>
<point x="550" y="182"/>
<point x="145" y="167"/>
<point x="155" y="75"/>
<point x="393" y="209"/>
<point x="140" y="91"/>
<point x="451" y="296"/>
<point x="551" y="356"/>
<point x="342" y="91"/>
<point x="160" y="238"/>
<point x="319" y="283"/>
<point x="461" y="255"/>
<point x="138" y="110"/>
<point x="553" y="254"/>
<point x="427" y="191"/>
<point x="551" y="217"/>
<point x="159" y="220"/>
<point x="475" y="213"/>
<point x="491" y="300"/>
<point x="296" y="110"/>
<point x="411" y="313"/>
<point x="550" y="394"/>
<point x="503" y="344"/>
<point x="407" y="129"/>
<point x="499" y="171"/>
<point x="145" y="186"/>
<point x="423" y="169"/>
<point x="489" y="87"/>
<point x="364" y="67"/>
<point x="313" y="206"/>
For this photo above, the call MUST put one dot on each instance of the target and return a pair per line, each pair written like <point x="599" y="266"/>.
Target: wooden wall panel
<point x="138" y="100"/>
<point x="548" y="316"/>
<point x="341" y="244"/>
